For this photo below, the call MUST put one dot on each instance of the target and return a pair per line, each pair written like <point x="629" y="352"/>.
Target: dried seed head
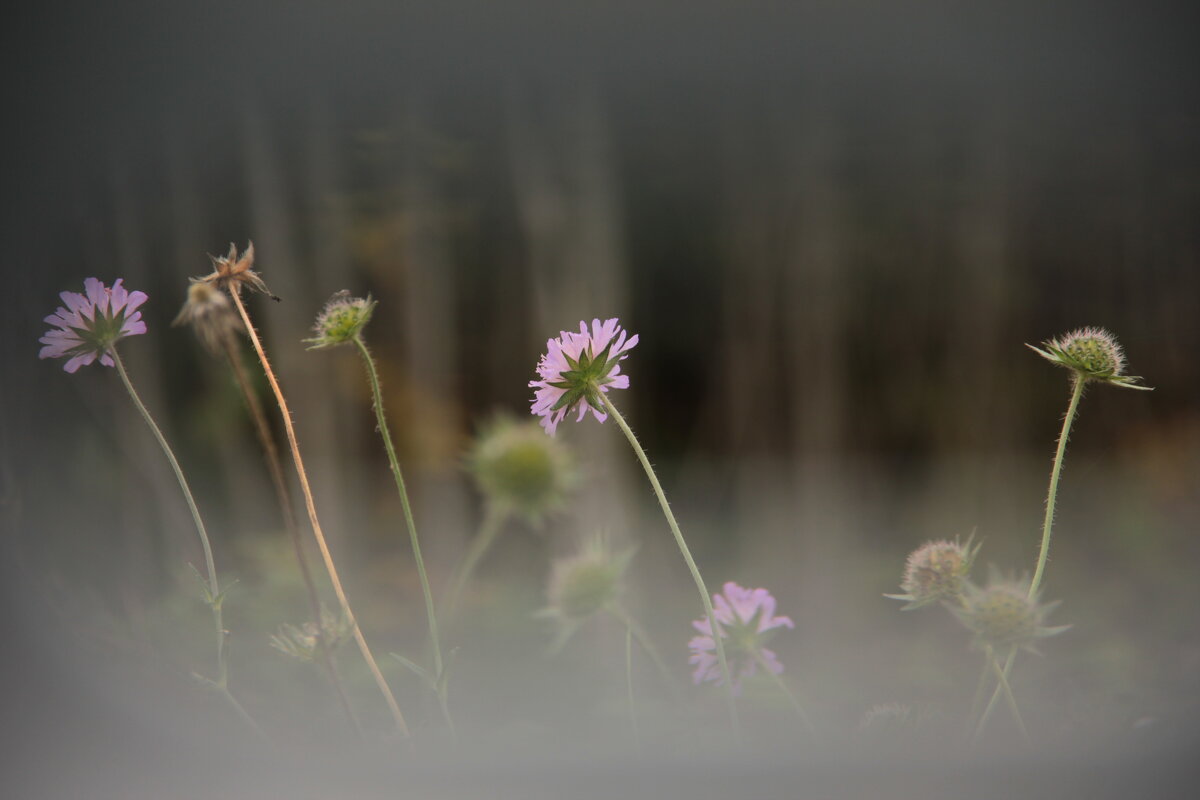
<point x="231" y="272"/>
<point x="211" y="314"/>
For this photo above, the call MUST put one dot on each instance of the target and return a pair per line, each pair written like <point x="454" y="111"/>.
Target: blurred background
<point x="833" y="226"/>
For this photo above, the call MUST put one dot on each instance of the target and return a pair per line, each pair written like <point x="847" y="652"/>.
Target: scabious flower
<point x="210" y="313"/>
<point x="91" y="323"/>
<point x="1003" y="613"/>
<point x="936" y="571"/>
<point x="1092" y="354"/>
<point x="519" y="469"/>
<point x="576" y="368"/>
<point x="342" y="319"/>
<point x="745" y="619"/>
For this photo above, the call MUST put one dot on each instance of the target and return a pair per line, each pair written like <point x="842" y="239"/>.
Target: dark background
<point x="833" y="225"/>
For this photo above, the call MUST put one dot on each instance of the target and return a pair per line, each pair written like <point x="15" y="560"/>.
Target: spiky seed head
<point x="937" y="570"/>
<point x="341" y="321"/>
<point x="1003" y="613"/>
<point x="232" y="271"/>
<point x="1092" y="354"/>
<point x="586" y="582"/>
<point x="520" y="469"/>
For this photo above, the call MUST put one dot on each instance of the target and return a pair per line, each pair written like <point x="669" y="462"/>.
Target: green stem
<point x="1003" y="685"/>
<point x="493" y="522"/>
<point x="687" y="557"/>
<point x="385" y="434"/>
<point x="647" y="645"/>
<point x="1055" y="472"/>
<point x="214" y="591"/>
<point x="791" y="696"/>
<point x="629" y="684"/>
<point x="1077" y="385"/>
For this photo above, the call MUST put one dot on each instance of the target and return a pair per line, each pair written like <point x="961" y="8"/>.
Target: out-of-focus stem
<point x="310" y="507"/>
<point x="787" y="690"/>
<point x="215" y="600"/>
<point x="267" y="440"/>
<point x="687" y="557"/>
<point x="493" y="522"/>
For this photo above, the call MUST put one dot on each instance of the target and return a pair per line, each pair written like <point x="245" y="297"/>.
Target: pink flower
<point x="576" y="368"/>
<point x="89" y="326"/>
<point x="744" y="617"/>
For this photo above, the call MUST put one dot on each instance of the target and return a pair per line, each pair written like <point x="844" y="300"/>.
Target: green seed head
<point x="1003" y="613"/>
<point x="1092" y="354"/>
<point x="520" y="469"/>
<point x="341" y="321"/>
<point x="586" y="582"/>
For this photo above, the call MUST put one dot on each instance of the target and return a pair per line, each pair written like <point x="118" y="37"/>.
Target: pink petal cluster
<point x="89" y="324"/>
<point x="747" y="614"/>
<point x="553" y="364"/>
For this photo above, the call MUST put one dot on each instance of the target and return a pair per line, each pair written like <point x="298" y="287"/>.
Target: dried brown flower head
<point x="231" y="272"/>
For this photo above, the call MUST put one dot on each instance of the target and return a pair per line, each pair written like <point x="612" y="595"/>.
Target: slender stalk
<point x="221" y="684"/>
<point x="687" y="557"/>
<point x="311" y="508"/>
<point x="1004" y="686"/>
<point x="647" y="645"/>
<point x="431" y="616"/>
<point x="787" y="690"/>
<point x="629" y="685"/>
<point x="493" y="522"/>
<point x="1052" y="494"/>
<point x="267" y="441"/>
<point x="1077" y="385"/>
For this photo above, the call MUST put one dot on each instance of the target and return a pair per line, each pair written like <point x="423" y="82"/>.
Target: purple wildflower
<point x="576" y="368"/>
<point x="89" y="325"/>
<point x="744" y="617"/>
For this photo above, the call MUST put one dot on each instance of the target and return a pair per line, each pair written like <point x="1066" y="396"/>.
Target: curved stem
<point x="385" y="434"/>
<point x="310" y="506"/>
<point x="493" y="522"/>
<point x="687" y="557"/>
<point x="791" y="696"/>
<point x="1077" y="385"/>
<point x="214" y="591"/>
<point x="1055" y="472"/>
<point x="284" y="497"/>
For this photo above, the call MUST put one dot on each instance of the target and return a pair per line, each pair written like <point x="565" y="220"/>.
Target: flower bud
<point x="936" y="571"/>
<point x="520" y="469"/>
<point x="341" y="321"/>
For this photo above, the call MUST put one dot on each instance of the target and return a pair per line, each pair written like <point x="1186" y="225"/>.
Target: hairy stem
<point x="687" y="557"/>
<point x="310" y="506"/>
<point x="1077" y="385"/>
<point x="221" y="683"/>
<point x="431" y="616"/>
<point x="284" y="497"/>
